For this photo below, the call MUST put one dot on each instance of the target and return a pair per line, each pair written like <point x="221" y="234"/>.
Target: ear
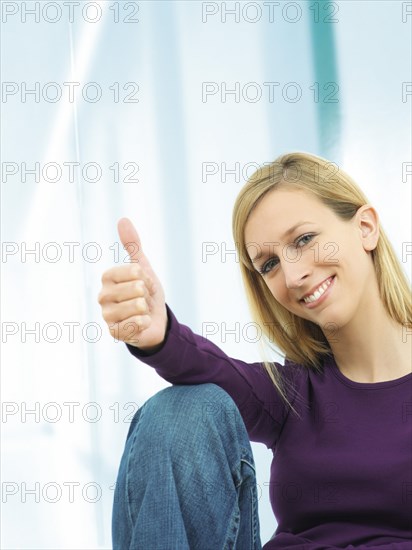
<point x="367" y="221"/>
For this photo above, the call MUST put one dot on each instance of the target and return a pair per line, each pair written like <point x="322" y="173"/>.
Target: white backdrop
<point x="158" y="111"/>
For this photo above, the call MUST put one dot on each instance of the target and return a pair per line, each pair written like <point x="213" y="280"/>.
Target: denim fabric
<point x="187" y="475"/>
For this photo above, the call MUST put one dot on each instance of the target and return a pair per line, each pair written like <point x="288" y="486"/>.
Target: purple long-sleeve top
<point x="341" y="473"/>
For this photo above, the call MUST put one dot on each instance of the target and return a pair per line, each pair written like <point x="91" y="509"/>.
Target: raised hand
<point x="132" y="297"/>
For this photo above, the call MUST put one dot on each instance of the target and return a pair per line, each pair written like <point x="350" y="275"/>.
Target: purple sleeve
<point x="188" y="358"/>
<point x="406" y="545"/>
<point x="289" y="541"/>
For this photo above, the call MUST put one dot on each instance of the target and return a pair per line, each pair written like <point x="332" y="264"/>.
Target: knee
<point x="183" y="410"/>
<point x="199" y="402"/>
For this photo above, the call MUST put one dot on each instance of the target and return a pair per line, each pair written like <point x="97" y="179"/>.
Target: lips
<point x="316" y="288"/>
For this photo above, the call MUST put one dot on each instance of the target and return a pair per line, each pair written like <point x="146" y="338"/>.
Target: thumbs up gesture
<point x="132" y="298"/>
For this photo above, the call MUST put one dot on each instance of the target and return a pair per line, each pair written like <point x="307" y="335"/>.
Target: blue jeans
<point x="187" y="475"/>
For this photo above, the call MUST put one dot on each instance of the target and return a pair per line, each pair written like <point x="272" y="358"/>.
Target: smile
<point x="320" y="291"/>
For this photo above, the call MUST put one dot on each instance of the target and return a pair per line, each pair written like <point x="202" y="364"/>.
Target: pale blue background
<point x="169" y="134"/>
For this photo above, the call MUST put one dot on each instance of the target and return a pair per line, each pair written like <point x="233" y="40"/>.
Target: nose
<point x="295" y="272"/>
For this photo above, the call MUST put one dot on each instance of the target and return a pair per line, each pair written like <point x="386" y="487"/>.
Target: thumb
<point x="130" y="240"/>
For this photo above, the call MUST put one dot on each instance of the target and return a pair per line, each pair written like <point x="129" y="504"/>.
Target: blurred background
<point x="159" y="111"/>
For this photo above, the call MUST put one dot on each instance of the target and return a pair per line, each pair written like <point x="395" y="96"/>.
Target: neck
<point x="373" y="347"/>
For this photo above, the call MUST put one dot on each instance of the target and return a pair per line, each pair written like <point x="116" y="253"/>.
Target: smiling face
<point x="323" y="258"/>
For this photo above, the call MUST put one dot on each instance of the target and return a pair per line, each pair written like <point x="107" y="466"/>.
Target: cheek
<point x="278" y="291"/>
<point x="350" y="264"/>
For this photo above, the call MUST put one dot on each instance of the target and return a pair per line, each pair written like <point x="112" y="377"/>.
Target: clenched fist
<point x="132" y="298"/>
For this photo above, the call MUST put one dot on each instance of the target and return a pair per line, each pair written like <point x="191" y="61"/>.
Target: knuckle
<point x="113" y="327"/>
<point x="110" y="297"/>
<point x="135" y="322"/>
<point x="139" y="323"/>
<point x="106" y="317"/>
<point x="138" y="286"/>
<point x="131" y="328"/>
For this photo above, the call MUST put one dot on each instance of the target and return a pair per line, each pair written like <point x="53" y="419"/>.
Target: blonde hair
<point x="302" y="341"/>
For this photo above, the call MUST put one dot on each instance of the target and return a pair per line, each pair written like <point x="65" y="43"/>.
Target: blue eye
<point x="300" y="239"/>
<point x="263" y="271"/>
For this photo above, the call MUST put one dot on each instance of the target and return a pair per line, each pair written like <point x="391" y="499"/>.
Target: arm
<point x="188" y="358"/>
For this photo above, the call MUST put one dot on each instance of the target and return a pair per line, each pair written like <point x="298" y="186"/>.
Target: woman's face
<point x="308" y="251"/>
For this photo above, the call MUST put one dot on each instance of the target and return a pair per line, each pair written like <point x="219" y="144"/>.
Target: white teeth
<point x="318" y="293"/>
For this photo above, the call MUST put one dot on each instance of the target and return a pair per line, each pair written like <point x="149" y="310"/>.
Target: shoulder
<point x="298" y="376"/>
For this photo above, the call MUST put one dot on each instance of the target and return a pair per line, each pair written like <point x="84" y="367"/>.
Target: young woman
<point x="325" y="287"/>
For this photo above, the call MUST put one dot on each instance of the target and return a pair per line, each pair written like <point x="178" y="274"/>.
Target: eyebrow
<point x="285" y="234"/>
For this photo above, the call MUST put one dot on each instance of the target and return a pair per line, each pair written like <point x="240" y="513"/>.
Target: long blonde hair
<point x="302" y="341"/>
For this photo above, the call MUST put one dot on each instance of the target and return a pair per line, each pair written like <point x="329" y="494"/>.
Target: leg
<point x="187" y="476"/>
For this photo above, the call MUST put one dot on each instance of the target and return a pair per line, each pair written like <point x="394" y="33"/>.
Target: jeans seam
<point x="255" y="509"/>
<point x="231" y="541"/>
<point x="253" y="498"/>
<point x="127" y="466"/>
